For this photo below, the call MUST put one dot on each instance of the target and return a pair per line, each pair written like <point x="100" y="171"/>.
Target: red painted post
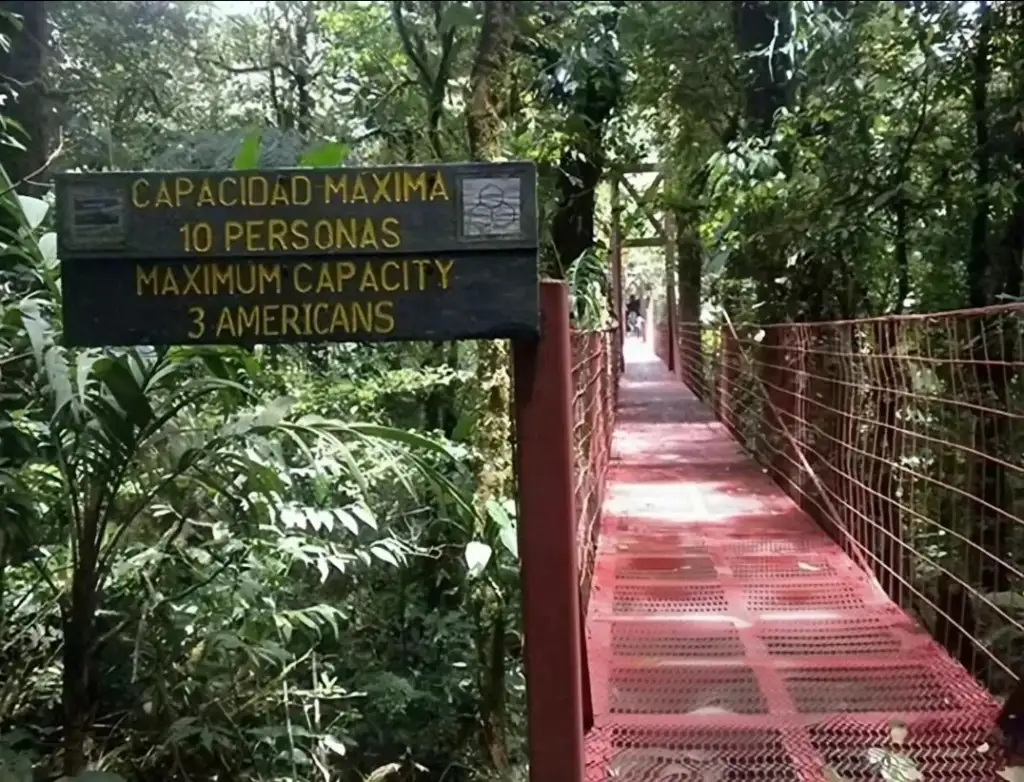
<point x="547" y="544"/>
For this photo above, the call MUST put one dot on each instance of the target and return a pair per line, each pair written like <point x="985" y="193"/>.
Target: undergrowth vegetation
<point x="300" y="562"/>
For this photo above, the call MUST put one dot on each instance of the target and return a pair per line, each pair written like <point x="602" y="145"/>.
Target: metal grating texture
<point x="731" y="639"/>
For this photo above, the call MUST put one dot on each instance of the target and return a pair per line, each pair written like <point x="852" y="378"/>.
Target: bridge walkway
<point x="730" y="638"/>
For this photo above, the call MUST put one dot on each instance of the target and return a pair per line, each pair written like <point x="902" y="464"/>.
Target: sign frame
<point x="119" y="229"/>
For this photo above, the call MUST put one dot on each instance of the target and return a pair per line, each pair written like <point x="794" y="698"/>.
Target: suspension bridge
<point x="796" y="547"/>
<point x="730" y="636"/>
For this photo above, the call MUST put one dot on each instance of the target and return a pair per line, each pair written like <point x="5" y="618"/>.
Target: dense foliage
<point x="300" y="563"/>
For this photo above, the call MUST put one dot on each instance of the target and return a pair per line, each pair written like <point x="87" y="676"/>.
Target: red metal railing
<point x="904" y="438"/>
<point x="596" y="366"/>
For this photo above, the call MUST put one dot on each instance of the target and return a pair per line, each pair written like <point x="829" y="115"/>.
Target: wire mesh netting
<point x="595" y="374"/>
<point x="737" y="633"/>
<point x="904" y="438"/>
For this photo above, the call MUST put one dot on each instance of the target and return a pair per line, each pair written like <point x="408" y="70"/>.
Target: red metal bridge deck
<point x="729" y="638"/>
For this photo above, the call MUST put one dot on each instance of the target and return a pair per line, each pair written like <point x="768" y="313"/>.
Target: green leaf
<point x="333" y="745"/>
<point x="329" y="155"/>
<point x="36" y="330"/>
<point x="509" y="540"/>
<point x="59" y="379"/>
<point x="477" y="556"/>
<point x="249" y="152"/>
<point x="457" y="15"/>
<point x="275" y="412"/>
<point x="401" y="436"/>
<point x="35" y="210"/>
<point x="506" y="527"/>
<point x="121" y="383"/>
<point x="384" y="555"/>
<point x="48" y="249"/>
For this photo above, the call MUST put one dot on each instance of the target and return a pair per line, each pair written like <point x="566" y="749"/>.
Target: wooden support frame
<point x="658" y="218"/>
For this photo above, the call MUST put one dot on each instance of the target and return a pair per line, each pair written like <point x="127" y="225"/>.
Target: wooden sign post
<point x="443" y="252"/>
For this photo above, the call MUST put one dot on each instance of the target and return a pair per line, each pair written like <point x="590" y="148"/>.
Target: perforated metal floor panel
<point x="731" y="639"/>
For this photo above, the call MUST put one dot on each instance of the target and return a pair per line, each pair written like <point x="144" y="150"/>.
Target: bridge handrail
<point x="903" y="437"/>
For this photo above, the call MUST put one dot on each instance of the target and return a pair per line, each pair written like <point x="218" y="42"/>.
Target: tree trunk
<point x="22" y="104"/>
<point x="985" y="280"/>
<point x="21" y="68"/>
<point x="493" y="431"/>
<point x="78" y="691"/>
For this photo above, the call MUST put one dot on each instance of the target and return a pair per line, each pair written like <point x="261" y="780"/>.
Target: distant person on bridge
<point x="632" y="306"/>
<point x="633" y="316"/>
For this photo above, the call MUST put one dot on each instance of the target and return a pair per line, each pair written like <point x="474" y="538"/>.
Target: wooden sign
<point x="299" y="255"/>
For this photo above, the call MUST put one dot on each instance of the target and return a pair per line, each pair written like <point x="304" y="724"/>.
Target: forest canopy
<point x="300" y="562"/>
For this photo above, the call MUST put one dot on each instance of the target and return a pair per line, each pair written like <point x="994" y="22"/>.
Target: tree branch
<point x="408" y="46"/>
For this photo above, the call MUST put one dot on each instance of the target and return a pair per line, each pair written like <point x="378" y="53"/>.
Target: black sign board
<point x="299" y="255"/>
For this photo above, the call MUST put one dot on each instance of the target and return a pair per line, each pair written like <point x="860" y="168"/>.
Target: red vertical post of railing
<point x="547" y="544"/>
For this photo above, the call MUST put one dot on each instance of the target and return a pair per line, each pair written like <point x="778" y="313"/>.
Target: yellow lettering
<point x="298" y="320"/>
<point x="368" y="282"/>
<point x="254" y="236"/>
<point x="325" y="282"/>
<point x="423" y="268"/>
<point x="438" y="192"/>
<point x="223" y="279"/>
<point x="301" y="286"/>
<point x="323" y="237"/>
<point x="196" y="237"/>
<point x="140" y="190"/>
<point x="277" y="233"/>
<point x="163" y="194"/>
<point x="359" y="191"/>
<point x="384" y="187"/>
<point x="368" y="238"/>
<point x="389" y="228"/>
<point x="198" y="315"/>
<point x="287" y="190"/>
<point x="363" y="311"/>
<point x="193" y="281"/>
<point x="233" y="232"/>
<point x="257" y="191"/>
<point x="258" y="278"/>
<point x="414" y="184"/>
<point x="279" y="196"/>
<point x="226" y="324"/>
<point x="384" y="317"/>
<point x="444" y="267"/>
<point x="227" y="191"/>
<point x="145" y="277"/>
<point x="270" y="279"/>
<point x="271" y="313"/>
<point x="339" y="319"/>
<point x="320" y="313"/>
<point x="170" y="284"/>
<point x="298" y="230"/>
<point x="302" y="190"/>
<point x="290" y="320"/>
<point x="380" y="188"/>
<point x="205" y="197"/>
<point x="388" y="282"/>
<point x="334" y="187"/>
<point x="344" y="271"/>
<point x="248" y="320"/>
<point x="183" y="188"/>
